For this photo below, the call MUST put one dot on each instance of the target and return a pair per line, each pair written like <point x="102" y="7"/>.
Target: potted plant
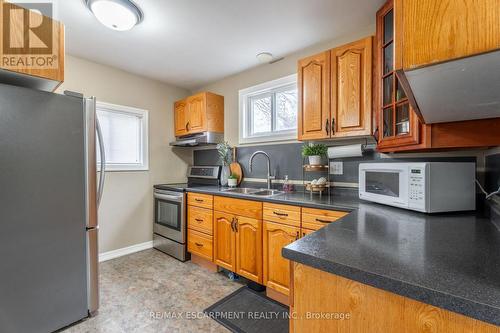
<point x="232" y="181"/>
<point x="224" y="151"/>
<point x="315" y="152"/>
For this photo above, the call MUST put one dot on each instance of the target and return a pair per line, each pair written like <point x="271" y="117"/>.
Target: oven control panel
<point x="211" y="172"/>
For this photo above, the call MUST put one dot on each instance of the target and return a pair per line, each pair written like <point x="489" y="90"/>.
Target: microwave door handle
<point x="102" y="175"/>
<point x="382" y="170"/>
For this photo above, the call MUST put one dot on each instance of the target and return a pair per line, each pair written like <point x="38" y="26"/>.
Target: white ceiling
<point x="189" y="43"/>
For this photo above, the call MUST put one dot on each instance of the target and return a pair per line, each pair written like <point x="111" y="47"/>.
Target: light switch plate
<point x="336" y="168"/>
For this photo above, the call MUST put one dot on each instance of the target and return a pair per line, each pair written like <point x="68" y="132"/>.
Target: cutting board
<point x="235" y="167"/>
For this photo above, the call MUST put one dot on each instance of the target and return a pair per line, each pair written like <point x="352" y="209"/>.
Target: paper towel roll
<point x="346" y="151"/>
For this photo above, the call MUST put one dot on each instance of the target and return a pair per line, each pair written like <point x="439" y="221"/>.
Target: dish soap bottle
<point x="287" y="187"/>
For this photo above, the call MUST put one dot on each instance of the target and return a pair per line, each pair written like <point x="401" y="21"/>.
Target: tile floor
<point x="134" y="286"/>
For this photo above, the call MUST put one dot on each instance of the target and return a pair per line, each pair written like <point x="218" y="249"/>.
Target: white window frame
<point x="143" y="115"/>
<point x="245" y="114"/>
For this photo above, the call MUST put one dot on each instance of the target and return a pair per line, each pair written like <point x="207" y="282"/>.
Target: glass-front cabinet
<point x="397" y="126"/>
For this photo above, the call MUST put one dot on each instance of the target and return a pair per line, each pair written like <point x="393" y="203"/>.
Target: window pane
<point x="286" y="110"/>
<point x="388" y="58"/>
<point x="388" y="122"/>
<point x="402" y="119"/>
<point x="122" y="137"/>
<point x="388" y="27"/>
<point x="400" y="93"/>
<point x="387" y="90"/>
<point x="261" y="108"/>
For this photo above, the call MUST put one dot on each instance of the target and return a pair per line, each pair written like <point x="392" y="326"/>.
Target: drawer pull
<point x="279" y="214"/>
<point x="323" y="221"/>
<point x="199" y="220"/>
<point x="198" y="200"/>
<point x="199" y="244"/>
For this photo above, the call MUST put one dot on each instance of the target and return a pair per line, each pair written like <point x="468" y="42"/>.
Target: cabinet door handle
<point x="323" y="221"/>
<point x="198" y="244"/>
<point x="333" y="126"/>
<point x="236" y="224"/>
<point x="279" y="214"/>
<point x="187" y="126"/>
<point x="297" y="236"/>
<point x="232" y="225"/>
<point x="327" y="127"/>
<point x="199" y="220"/>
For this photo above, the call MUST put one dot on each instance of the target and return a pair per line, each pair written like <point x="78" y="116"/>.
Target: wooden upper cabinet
<point x="398" y="127"/>
<point x="249" y="248"/>
<point x="277" y="268"/>
<point x="196" y="113"/>
<point x="351" y="85"/>
<point x="180" y="118"/>
<point x="39" y="54"/>
<point x="314" y="97"/>
<point x="435" y="31"/>
<point x="199" y="113"/>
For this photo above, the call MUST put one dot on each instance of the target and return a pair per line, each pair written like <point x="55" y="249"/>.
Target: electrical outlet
<point x="336" y="168"/>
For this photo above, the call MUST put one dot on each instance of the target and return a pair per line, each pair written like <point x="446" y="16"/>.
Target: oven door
<point x="169" y="219"/>
<point x="383" y="183"/>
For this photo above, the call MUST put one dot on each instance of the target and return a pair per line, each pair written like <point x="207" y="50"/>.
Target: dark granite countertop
<point x="451" y="260"/>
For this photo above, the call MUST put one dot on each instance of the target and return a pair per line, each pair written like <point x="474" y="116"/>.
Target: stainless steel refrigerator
<point x="49" y="194"/>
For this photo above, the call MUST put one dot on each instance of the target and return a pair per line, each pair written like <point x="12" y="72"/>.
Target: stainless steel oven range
<point x="169" y="225"/>
<point x="170" y="220"/>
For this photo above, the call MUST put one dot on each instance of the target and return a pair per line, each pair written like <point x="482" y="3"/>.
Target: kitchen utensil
<point x="235" y="167"/>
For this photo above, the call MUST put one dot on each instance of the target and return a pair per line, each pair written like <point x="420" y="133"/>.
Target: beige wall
<point x="126" y="213"/>
<point x="229" y="87"/>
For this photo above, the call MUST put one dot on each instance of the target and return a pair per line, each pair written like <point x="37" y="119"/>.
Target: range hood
<point x="457" y="90"/>
<point x="198" y="139"/>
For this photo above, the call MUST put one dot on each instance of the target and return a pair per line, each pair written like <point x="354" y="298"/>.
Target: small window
<point x="125" y="136"/>
<point x="268" y="112"/>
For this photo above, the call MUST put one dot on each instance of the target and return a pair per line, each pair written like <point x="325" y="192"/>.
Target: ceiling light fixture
<point x="264" y="57"/>
<point x="118" y="15"/>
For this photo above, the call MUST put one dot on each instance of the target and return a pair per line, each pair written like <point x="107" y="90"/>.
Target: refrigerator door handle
<point x="102" y="175"/>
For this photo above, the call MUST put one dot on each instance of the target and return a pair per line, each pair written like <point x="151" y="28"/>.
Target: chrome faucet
<point x="269" y="177"/>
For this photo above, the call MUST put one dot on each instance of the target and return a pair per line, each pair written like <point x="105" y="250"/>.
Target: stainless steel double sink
<point x="262" y="193"/>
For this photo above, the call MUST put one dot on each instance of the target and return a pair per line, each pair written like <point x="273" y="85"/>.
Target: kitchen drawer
<point x="200" y="200"/>
<point x="200" y="219"/>
<point x="315" y="219"/>
<point x="247" y="208"/>
<point x="282" y="214"/>
<point x="200" y="244"/>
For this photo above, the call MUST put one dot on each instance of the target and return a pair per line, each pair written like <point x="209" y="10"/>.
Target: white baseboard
<point x="124" y="251"/>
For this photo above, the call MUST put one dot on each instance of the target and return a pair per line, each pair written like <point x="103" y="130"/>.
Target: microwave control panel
<point x="416" y="188"/>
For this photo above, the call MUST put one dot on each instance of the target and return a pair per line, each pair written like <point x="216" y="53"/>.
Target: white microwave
<point x="429" y="187"/>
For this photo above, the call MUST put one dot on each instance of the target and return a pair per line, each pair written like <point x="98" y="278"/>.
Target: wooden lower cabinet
<point x="238" y="245"/>
<point x="359" y="308"/>
<point x="224" y="247"/>
<point x="249" y="248"/>
<point x="277" y="268"/>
